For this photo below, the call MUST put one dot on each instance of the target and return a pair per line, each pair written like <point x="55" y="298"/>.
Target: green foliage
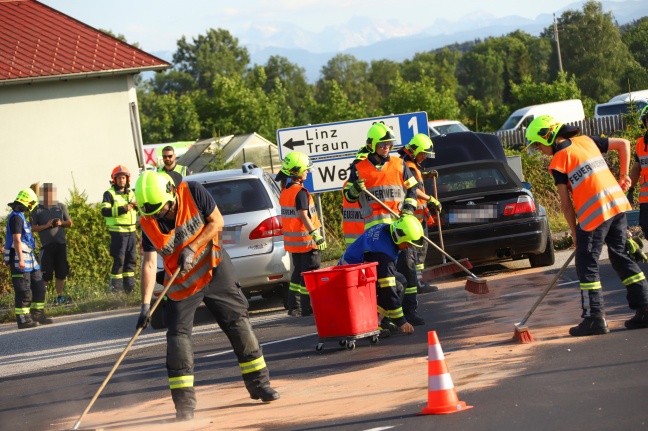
<point x="636" y="39"/>
<point x="214" y="54"/>
<point x="168" y="117"/>
<point x="529" y="92"/>
<point x="218" y="162"/>
<point x="421" y="96"/>
<point x="88" y="244"/>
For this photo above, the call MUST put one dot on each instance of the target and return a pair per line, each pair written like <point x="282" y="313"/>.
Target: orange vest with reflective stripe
<point x="189" y="224"/>
<point x="387" y="185"/>
<point x="352" y="219"/>
<point x="596" y="193"/>
<point x="642" y="154"/>
<point x="421" y="204"/>
<point x="296" y="236"/>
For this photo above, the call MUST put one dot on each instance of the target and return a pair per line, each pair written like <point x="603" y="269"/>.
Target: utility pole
<point x="557" y="43"/>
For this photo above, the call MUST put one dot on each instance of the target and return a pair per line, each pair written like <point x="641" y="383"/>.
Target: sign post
<point x="333" y="146"/>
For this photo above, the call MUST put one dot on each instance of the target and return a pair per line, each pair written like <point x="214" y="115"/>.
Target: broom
<point x="474" y="284"/>
<point x="446" y="268"/>
<point x="130" y="344"/>
<point x="521" y="333"/>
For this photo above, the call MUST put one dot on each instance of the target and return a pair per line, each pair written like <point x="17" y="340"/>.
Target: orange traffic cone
<point x="442" y="397"/>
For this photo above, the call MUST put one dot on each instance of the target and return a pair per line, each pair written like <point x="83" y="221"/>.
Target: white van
<point x="565" y="111"/>
<point x="621" y="104"/>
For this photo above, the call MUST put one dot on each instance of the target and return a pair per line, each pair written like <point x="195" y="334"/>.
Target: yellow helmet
<point x="28" y="198"/>
<point x="407" y="229"/>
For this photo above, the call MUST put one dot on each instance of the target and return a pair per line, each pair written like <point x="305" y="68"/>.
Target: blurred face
<point x="49" y="194"/>
<point x="168" y="157"/>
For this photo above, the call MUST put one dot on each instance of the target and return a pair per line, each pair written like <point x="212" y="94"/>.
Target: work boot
<point x="184" y="415"/>
<point x="414" y="319"/>
<point x="40" y="317"/>
<point x="390" y="326"/>
<point x="426" y="288"/>
<point x="639" y="320"/>
<point x="62" y="300"/>
<point x="265" y="394"/>
<point x="384" y="332"/>
<point x="25" y="321"/>
<point x="590" y="326"/>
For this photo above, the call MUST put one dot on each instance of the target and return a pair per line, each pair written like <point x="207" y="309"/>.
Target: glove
<point x="186" y="258"/>
<point x="635" y="252"/>
<point x="320" y="242"/>
<point x="359" y="186"/>
<point x="144" y="318"/>
<point x="407" y="209"/>
<point x="430" y="174"/>
<point x="434" y="204"/>
<point x="630" y="196"/>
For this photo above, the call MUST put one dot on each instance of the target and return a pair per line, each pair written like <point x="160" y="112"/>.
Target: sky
<point x="157" y="25"/>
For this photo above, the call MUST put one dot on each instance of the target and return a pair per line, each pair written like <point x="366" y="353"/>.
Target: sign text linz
<point x="317" y="135"/>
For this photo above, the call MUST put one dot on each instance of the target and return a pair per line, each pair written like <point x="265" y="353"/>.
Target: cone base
<point x="444" y="410"/>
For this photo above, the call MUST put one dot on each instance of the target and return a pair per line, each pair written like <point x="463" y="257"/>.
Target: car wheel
<point x="157" y="318"/>
<point x="546" y="258"/>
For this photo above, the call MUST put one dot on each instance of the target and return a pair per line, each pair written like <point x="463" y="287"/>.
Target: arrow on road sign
<point x="292" y="144"/>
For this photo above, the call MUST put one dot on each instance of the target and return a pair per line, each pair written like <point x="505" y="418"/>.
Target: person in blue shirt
<point x="19" y="254"/>
<point x="381" y="243"/>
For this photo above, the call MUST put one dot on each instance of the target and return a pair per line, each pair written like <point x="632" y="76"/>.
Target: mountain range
<point x="369" y="40"/>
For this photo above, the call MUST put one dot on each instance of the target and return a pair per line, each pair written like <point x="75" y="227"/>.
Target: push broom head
<point x="522" y="334"/>
<point x="476" y="285"/>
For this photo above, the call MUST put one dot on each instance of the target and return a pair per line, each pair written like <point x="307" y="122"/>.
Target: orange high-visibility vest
<point x="296" y="236"/>
<point x="421" y="204"/>
<point x="189" y="224"/>
<point x="352" y="219"/>
<point x="596" y="193"/>
<point x="386" y="184"/>
<point x="642" y="153"/>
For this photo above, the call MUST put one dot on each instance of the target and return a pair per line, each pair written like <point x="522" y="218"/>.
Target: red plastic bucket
<point x="343" y="299"/>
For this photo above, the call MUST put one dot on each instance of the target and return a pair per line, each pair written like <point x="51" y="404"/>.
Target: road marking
<point x="263" y="344"/>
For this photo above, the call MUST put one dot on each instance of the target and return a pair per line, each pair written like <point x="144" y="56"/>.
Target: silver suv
<point x="248" y="199"/>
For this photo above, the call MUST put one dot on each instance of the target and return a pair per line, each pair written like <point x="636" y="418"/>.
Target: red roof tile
<point x="37" y="41"/>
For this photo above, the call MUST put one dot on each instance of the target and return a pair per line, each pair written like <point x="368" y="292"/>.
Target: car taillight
<point x="524" y="205"/>
<point x="268" y="228"/>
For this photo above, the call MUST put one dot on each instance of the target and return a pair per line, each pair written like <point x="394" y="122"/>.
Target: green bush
<point x="88" y="245"/>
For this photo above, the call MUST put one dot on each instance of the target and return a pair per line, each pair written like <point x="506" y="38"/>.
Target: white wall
<point x="66" y="132"/>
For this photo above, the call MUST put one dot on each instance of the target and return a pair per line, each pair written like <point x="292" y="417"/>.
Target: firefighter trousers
<point x="406" y="265"/>
<point x="228" y="305"/>
<point x="29" y="288"/>
<point x="123" y="250"/>
<point x="589" y="245"/>
<point x="302" y="262"/>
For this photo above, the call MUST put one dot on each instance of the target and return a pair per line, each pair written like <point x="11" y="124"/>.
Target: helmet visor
<point x="150" y="209"/>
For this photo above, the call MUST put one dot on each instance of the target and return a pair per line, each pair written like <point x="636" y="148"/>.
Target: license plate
<point x="472" y="214"/>
<point x="231" y="235"/>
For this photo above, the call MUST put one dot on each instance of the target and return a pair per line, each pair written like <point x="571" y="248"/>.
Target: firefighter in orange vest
<point x="639" y="174"/>
<point x="411" y="259"/>
<point x="352" y="219"/>
<point x="594" y="204"/>
<point x="386" y="177"/>
<point x="184" y="225"/>
<point x="301" y="226"/>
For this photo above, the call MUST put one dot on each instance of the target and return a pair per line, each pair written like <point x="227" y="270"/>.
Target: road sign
<point x="345" y="138"/>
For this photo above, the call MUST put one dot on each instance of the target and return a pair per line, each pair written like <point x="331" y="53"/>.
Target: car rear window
<point x="239" y="196"/>
<point x="471" y="179"/>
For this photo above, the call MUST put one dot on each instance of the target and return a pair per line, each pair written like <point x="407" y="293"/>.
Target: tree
<point x="167" y="117"/>
<point x="481" y="74"/>
<point x="382" y="74"/>
<point x="440" y="66"/>
<point x="636" y="39"/>
<point x="530" y="92"/>
<point x="293" y="79"/>
<point x="353" y="79"/>
<point x="421" y="96"/>
<point x="216" y="53"/>
<point x="335" y="105"/>
<point x="592" y="50"/>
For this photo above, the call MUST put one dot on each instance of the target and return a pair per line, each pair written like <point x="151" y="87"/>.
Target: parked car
<point x="488" y="214"/>
<point x="565" y="111"/>
<point x="248" y="199"/>
<point x="443" y="127"/>
<point x="622" y="104"/>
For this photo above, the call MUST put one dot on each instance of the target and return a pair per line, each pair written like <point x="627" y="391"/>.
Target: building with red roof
<point x="68" y="102"/>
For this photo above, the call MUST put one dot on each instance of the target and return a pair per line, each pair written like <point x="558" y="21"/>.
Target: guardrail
<point x="606" y="126"/>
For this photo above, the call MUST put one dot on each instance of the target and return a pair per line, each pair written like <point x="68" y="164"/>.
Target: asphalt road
<point x="601" y="383"/>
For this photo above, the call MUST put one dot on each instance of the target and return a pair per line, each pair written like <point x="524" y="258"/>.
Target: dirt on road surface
<point x="486" y="356"/>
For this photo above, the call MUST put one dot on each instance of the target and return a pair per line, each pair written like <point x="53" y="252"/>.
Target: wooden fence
<point x="607" y="126"/>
